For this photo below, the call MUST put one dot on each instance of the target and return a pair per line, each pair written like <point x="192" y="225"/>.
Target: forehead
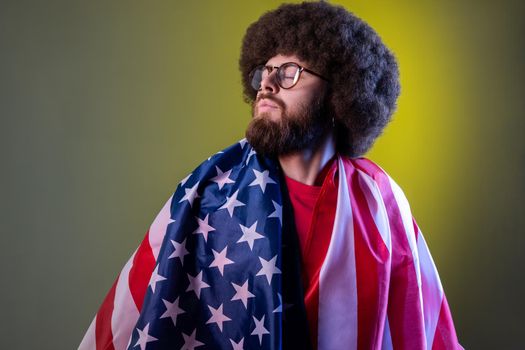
<point x="279" y="59"/>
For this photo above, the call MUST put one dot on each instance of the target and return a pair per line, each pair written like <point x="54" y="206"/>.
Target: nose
<point x="269" y="82"/>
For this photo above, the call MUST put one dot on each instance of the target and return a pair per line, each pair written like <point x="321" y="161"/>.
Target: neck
<point x="304" y="166"/>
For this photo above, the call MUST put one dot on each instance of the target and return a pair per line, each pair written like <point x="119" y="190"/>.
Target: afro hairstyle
<point x="363" y="74"/>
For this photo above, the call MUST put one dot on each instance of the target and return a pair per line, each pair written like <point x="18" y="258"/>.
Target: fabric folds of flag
<point x="209" y="273"/>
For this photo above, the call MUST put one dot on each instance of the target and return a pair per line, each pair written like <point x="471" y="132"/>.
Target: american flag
<point x="216" y="269"/>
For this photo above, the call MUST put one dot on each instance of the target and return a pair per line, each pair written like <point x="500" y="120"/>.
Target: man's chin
<point x="262" y="134"/>
<point x="273" y="116"/>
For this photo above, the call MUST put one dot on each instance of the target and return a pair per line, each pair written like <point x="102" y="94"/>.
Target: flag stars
<point x="155" y="278"/>
<point x="278" y="212"/>
<point x="197" y="284"/>
<point x="204" y="227"/>
<point x="183" y="181"/>
<point x="243" y="142"/>
<point x="239" y="345"/>
<point x="242" y="293"/>
<point x="190" y="343"/>
<point x="214" y="155"/>
<point x="144" y="337"/>
<point x="268" y="268"/>
<point x="249" y="234"/>
<point x="262" y="179"/>
<point x="220" y="260"/>
<point x="172" y="310"/>
<point x="180" y="250"/>
<point x="280" y="307"/>
<point x="232" y="203"/>
<point x="250" y="154"/>
<point x="217" y="316"/>
<point x="191" y="194"/>
<point x="259" y="328"/>
<point x="222" y="178"/>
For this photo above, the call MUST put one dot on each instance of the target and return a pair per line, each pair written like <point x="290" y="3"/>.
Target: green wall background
<point x="105" y="106"/>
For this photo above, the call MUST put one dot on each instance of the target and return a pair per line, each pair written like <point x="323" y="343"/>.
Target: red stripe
<point x="404" y="310"/>
<point x="319" y="234"/>
<point x="372" y="268"/>
<point x="140" y="273"/>
<point x="103" y="334"/>
<point x="416" y="228"/>
<point x="445" y="337"/>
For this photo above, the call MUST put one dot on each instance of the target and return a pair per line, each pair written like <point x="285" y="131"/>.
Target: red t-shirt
<point x="314" y="213"/>
<point x="303" y="198"/>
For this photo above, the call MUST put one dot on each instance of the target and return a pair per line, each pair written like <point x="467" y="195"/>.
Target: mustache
<point x="270" y="97"/>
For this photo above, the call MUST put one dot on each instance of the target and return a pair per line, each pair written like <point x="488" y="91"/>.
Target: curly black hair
<point x="363" y="73"/>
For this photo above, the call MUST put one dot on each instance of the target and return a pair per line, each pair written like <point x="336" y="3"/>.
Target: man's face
<point x="286" y="121"/>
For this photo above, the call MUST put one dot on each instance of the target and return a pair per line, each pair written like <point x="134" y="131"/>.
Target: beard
<point x="293" y="132"/>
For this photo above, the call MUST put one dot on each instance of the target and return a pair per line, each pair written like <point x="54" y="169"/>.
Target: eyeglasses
<point x="288" y="75"/>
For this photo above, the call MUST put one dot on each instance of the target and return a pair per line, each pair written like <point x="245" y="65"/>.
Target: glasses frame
<point x="278" y="69"/>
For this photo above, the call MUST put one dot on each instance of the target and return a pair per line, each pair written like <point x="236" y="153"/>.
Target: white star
<point x="243" y="142"/>
<point x="280" y="307"/>
<point x="196" y="284"/>
<point x="249" y="234"/>
<point x="144" y="337"/>
<point x="172" y="310"/>
<point x="242" y="293"/>
<point x="259" y="328"/>
<point x="251" y="153"/>
<point x="204" y="228"/>
<point x="217" y="316"/>
<point x="268" y="268"/>
<point x="239" y="345"/>
<point x="190" y="343"/>
<point x="262" y="179"/>
<point x="183" y="181"/>
<point x="180" y="250"/>
<point x="231" y="203"/>
<point x="222" y="178"/>
<point x="278" y="213"/>
<point x="220" y="260"/>
<point x="155" y="278"/>
<point x="191" y="194"/>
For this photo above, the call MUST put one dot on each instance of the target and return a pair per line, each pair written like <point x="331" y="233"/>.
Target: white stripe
<point x="337" y="280"/>
<point x="406" y="217"/>
<point x="432" y="290"/>
<point x="158" y="228"/>
<point x="90" y="341"/>
<point x="125" y="313"/>
<point x="387" y="338"/>
<point x="376" y="207"/>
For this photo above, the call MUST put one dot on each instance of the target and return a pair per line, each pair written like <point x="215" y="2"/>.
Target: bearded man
<point x="289" y="238"/>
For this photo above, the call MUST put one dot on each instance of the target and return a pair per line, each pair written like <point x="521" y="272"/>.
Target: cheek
<point x="298" y="101"/>
<point x="293" y="100"/>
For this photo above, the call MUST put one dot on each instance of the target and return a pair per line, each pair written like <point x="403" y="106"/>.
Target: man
<point x="289" y="239"/>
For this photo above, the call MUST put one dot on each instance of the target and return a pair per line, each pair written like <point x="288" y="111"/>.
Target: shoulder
<point x="378" y="178"/>
<point x="365" y="166"/>
<point x="385" y="197"/>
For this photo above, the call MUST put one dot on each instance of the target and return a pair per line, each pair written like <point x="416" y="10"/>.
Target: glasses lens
<point x="288" y="75"/>
<point x="256" y="77"/>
